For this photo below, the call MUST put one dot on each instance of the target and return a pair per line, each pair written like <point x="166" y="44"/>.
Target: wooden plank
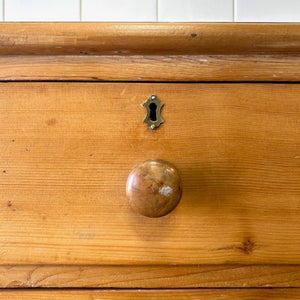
<point x="241" y="294"/>
<point x="151" y="68"/>
<point x="208" y="276"/>
<point x="67" y="149"/>
<point x="150" y="51"/>
<point x="149" y="38"/>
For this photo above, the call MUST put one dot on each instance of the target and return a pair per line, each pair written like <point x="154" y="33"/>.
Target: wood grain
<point x="67" y="149"/>
<point x="141" y="68"/>
<point x="201" y="276"/>
<point x="149" y="38"/>
<point x="242" y="294"/>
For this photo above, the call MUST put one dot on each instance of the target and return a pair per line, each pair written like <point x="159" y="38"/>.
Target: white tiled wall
<point x="151" y="10"/>
<point x="118" y="10"/>
<point x="41" y="10"/>
<point x="267" y="10"/>
<point x="195" y="10"/>
<point x="1" y="11"/>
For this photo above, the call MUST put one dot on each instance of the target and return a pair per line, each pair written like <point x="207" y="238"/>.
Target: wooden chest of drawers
<point x="72" y="130"/>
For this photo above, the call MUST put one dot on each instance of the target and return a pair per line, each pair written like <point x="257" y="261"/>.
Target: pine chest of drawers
<point x="222" y="145"/>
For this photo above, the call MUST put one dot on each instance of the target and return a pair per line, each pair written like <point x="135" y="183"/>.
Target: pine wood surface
<point x="207" y="294"/>
<point x="140" y="68"/>
<point x="149" y="38"/>
<point x="67" y="149"/>
<point x="150" y="51"/>
<point x="155" y="276"/>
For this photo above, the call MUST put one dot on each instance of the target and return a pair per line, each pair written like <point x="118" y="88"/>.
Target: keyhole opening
<point x="153" y="108"/>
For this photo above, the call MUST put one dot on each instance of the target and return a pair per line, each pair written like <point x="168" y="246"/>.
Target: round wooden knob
<point x="153" y="188"/>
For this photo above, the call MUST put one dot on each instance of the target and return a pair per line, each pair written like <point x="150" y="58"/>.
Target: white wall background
<point x="150" y="10"/>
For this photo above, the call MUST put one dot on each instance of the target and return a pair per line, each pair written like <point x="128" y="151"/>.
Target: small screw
<point x="152" y="126"/>
<point x="153" y="97"/>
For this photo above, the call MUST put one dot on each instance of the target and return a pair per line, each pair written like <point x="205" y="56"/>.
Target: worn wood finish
<point x="149" y="38"/>
<point x="208" y="294"/>
<point x="151" y="68"/>
<point x="208" y="276"/>
<point x="150" y="51"/>
<point x="67" y="149"/>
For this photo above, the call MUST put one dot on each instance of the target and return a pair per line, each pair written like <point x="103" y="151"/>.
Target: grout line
<point x="156" y="10"/>
<point x="80" y="10"/>
<point x="3" y="10"/>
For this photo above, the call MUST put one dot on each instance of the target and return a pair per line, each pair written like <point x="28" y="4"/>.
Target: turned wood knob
<point x="153" y="188"/>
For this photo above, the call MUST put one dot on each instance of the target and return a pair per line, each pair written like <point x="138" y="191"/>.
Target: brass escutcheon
<point x="153" y="107"/>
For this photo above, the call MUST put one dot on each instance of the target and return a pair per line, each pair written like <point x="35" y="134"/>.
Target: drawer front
<point x="68" y="148"/>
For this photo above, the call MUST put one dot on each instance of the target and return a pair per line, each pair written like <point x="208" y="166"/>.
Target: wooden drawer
<point x="67" y="149"/>
<point x="71" y="132"/>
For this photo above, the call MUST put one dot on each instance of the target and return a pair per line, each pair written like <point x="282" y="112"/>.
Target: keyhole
<point x="153" y="108"/>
